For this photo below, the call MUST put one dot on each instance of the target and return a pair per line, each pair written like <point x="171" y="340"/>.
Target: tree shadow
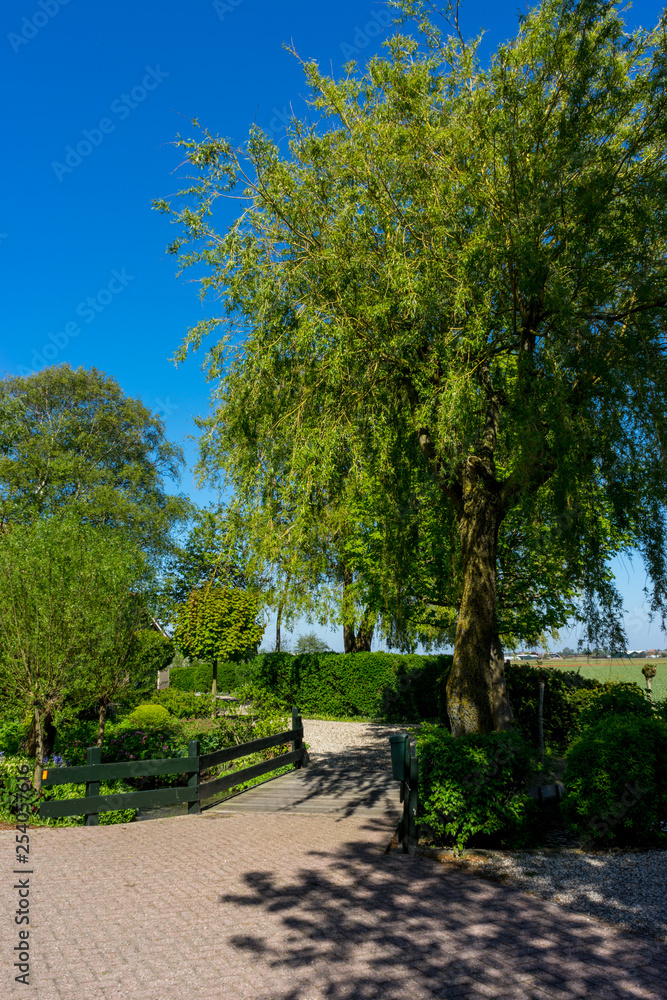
<point x="354" y="922"/>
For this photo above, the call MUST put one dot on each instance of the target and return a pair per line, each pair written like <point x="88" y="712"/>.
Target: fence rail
<point x="194" y="793"/>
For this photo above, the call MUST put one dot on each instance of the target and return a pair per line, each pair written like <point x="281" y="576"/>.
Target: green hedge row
<point x="383" y="685"/>
<point x="201" y="678"/>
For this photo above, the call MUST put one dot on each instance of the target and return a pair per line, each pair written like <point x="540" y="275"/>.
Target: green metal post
<point x="297" y="742"/>
<point x="193" y="781"/>
<point x="93" y="756"/>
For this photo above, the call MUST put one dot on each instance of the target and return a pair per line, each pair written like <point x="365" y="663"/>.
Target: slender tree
<point x="66" y="617"/>
<point x="462" y="276"/>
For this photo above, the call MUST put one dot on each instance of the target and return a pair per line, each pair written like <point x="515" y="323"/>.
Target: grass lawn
<point x="616" y="670"/>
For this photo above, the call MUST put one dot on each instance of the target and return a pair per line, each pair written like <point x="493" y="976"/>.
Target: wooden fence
<point x="194" y="792"/>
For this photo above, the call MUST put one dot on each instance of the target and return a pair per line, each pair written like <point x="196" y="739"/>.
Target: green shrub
<point x="560" y="707"/>
<point x="12" y="734"/>
<point x="473" y="788"/>
<point x="148" y="717"/>
<point x="184" y="704"/>
<point x="613" y="697"/>
<point x="616" y="782"/>
<point x="182" y="679"/>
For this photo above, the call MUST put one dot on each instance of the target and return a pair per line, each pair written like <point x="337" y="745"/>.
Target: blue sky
<point x="96" y="95"/>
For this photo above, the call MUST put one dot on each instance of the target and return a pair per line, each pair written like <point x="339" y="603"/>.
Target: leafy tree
<point x="68" y="611"/>
<point x="219" y="623"/>
<point x="310" y="643"/>
<point x="71" y="439"/>
<point x="460" y="281"/>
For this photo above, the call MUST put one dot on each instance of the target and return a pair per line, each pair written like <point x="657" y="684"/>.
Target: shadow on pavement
<point x="359" y="923"/>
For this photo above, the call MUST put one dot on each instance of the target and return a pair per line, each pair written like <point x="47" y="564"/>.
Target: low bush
<point x="616" y="781"/>
<point x="184" y="704"/>
<point x="613" y="697"/>
<point x="474" y="788"/>
<point x="148" y="717"/>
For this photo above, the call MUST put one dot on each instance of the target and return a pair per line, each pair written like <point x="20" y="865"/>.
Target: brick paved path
<point x="292" y="907"/>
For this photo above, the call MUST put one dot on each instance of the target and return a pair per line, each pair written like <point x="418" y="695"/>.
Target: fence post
<point x="412" y="806"/>
<point x="194" y="806"/>
<point x="297" y="743"/>
<point x="93" y="756"/>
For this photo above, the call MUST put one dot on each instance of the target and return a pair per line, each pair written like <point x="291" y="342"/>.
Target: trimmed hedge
<point x="200" y="678"/>
<point x="616" y="781"/>
<point x="382" y="685"/>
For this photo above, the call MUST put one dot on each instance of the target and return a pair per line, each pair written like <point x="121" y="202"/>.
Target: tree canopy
<point x="71" y="439"/>
<point x="70" y="601"/>
<point x="453" y="289"/>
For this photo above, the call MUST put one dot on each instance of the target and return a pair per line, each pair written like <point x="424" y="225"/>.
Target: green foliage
<point x="148" y="717"/>
<point x="69" y="605"/>
<point x="562" y="690"/>
<point x="473" y="788"/>
<point x="183" y="679"/>
<point x="200" y="678"/>
<point x="613" y="698"/>
<point x="616" y="781"/>
<point x="219" y="622"/>
<point x="152" y="652"/>
<point x="12" y="734"/>
<point x="383" y="685"/>
<point x="10" y="779"/>
<point x="183" y="704"/>
<point x="70" y="439"/>
<point x="310" y="643"/>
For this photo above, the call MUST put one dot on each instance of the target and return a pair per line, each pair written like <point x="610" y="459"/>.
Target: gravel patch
<point x="626" y="889"/>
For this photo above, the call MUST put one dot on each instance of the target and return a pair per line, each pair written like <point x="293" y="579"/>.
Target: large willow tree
<point x="457" y="277"/>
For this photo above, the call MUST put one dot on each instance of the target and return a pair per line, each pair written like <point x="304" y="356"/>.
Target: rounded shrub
<point x="612" y="698"/>
<point x="616" y="782"/>
<point x="475" y="787"/>
<point x="148" y="717"/>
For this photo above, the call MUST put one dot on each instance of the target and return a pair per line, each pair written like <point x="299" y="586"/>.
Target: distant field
<point x="615" y="670"/>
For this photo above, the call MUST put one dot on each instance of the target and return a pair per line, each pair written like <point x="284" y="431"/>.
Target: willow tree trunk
<point x="39" y="749"/>
<point x="477" y="700"/>
<point x="102" y="720"/>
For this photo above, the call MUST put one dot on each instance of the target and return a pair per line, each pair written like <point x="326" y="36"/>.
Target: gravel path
<point x="351" y="745"/>
<point x="625" y="889"/>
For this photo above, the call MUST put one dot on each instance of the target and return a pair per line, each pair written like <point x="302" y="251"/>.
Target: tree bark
<point x="39" y="749"/>
<point x="104" y="705"/>
<point x="476" y="694"/>
<point x="48" y="736"/>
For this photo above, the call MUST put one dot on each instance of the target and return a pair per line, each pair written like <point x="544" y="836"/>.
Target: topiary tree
<point x="649" y="672"/>
<point x="219" y="623"/>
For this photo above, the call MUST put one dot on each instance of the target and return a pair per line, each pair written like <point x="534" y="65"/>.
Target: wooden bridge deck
<point x="316" y="790"/>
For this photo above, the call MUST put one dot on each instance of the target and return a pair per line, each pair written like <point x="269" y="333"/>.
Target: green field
<point x="615" y="670"/>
